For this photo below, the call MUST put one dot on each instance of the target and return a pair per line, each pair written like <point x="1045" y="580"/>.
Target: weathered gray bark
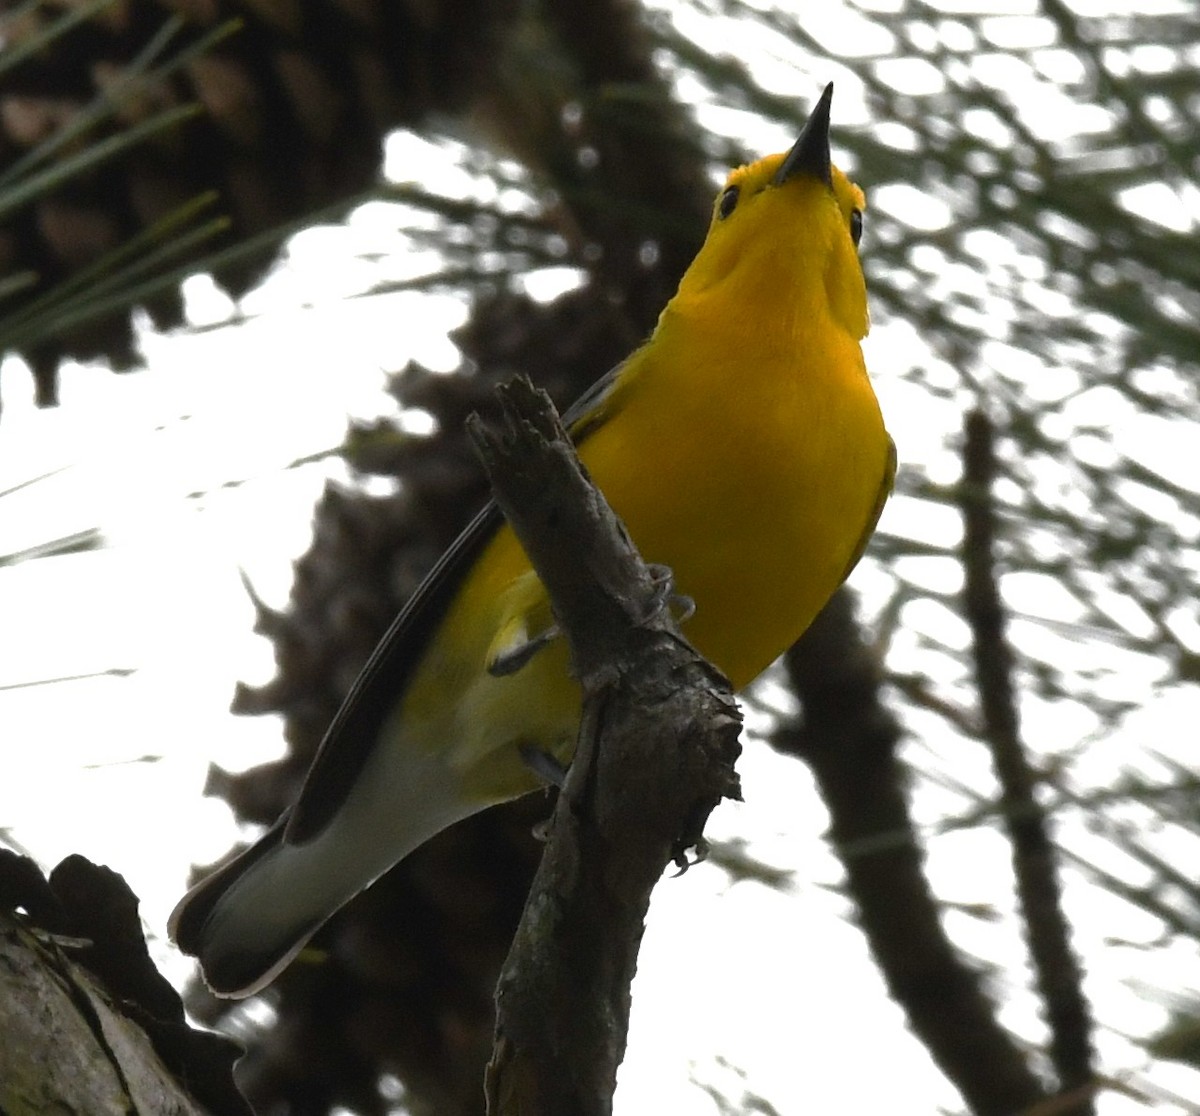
<point x="656" y="748"/>
<point x="87" y="1024"/>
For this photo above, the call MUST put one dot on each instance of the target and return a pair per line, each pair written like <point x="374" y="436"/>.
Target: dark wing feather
<point x="595" y="406"/>
<point x="356" y="727"/>
<point x="354" y="731"/>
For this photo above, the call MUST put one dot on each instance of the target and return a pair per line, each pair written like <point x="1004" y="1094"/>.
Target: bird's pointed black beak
<point x="810" y="153"/>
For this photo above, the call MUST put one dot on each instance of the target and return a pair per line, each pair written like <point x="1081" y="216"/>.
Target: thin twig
<point x="1035" y="864"/>
<point x="848" y="737"/>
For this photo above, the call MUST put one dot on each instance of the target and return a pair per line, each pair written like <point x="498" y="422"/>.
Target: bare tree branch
<point x="1034" y="860"/>
<point x="87" y="1024"/>
<point x="655" y="754"/>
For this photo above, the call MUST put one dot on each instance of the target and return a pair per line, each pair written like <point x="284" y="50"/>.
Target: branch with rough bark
<point x="655" y="754"/>
<point x="87" y="1024"/>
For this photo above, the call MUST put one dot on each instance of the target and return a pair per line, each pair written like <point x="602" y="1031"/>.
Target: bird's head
<point x="786" y="229"/>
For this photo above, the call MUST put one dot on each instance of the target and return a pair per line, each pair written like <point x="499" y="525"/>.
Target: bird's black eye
<point x="728" y="202"/>
<point x="856" y="226"/>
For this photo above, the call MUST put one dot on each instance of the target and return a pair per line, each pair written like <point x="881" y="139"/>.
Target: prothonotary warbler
<point x="744" y="448"/>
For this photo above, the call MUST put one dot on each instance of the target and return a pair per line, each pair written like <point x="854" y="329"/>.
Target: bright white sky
<point x="184" y="471"/>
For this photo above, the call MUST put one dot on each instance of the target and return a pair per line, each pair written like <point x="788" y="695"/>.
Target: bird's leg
<point x="514" y="658"/>
<point x="544" y="765"/>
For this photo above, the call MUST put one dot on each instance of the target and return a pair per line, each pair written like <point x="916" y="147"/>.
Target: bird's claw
<point x="683" y="607"/>
<point x="683" y="862"/>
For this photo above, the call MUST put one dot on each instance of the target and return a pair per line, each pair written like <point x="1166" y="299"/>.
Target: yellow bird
<point x="744" y="448"/>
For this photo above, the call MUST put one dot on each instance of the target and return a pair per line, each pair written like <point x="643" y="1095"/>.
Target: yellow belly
<point x="757" y="517"/>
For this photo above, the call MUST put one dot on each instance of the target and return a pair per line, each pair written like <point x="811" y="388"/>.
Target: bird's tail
<point x="244" y="922"/>
<point x="251" y="917"/>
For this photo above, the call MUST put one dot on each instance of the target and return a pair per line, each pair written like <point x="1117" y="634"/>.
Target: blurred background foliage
<point x="1033" y="177"/>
